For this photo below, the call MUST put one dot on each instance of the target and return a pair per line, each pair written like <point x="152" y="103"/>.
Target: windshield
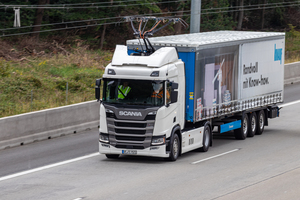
<point x="134" y="92"/>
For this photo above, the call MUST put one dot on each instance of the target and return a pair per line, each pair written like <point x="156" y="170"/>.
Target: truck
<point x="188" y="88"/>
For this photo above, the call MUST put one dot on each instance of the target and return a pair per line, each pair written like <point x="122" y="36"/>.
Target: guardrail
<point x="292" y="73"/>
<point x="45" y="124"/>
<point x="34" y="126"/>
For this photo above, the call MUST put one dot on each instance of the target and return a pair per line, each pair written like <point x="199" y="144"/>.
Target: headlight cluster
<point x="109" y="111"/>
<point x="104" y="138"/>
<point x="158" y="140"/>
<point x="152" y="113"/>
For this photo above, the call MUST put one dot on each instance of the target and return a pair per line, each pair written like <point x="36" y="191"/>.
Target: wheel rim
<point x="261" y="122"/>
<point x="206" y="142"/>
<point x="175" y="147"/>
<point x="253" y="124"/>
<point x="245" y="126"/>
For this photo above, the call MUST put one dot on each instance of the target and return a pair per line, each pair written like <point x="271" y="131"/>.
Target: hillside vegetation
<point x="42" y="68"/>
<point x="37" y="82"/>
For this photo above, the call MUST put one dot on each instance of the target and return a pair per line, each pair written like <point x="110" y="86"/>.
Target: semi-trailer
<point x="188" y="88"/>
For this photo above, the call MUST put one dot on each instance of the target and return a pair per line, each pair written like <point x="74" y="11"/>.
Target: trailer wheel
<point x="260" y="122"/>
<point x="206" y="139"/>
<point x="252" y="125"/>
<point x="112" y="156"/>
<point x="174" y="148"/>
<point x="241" y="133"/>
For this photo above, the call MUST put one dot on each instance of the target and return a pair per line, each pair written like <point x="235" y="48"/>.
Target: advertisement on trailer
<point x="262" y="68"/>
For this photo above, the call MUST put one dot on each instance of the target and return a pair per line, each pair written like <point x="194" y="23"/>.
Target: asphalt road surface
<point x="262" y="167"/>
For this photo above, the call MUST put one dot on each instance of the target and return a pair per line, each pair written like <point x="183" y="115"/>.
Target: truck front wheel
<point x="241" y="133"/>
<point x="113" y="156"/>
<point x="175" y="148"/>
<point x="206" y="139"/>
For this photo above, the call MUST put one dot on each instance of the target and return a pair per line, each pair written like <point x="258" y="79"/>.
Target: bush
<point x="293" y="32"/>
<point x="72" y="86"/>
<point x="4" y="68"/>
<point x="33" y="80"/>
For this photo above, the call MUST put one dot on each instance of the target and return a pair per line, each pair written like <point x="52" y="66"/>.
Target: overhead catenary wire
<point x="81" y="21"/>
<point x="248" y="9"/>
<point x="59" y="29"/>
<point x="205" y="12"/>
<point x="69" y="6"/>
<point x="76" y="4"/>
<point x="245" y="9"/>
<point x="253" y="5"/>
<point x="66" y="6"/>
<point x="220" y="10"/>
<point x="278" y="4"/>
<point x="62" y="23"/>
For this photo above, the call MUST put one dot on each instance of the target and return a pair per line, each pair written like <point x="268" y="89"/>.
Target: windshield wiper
<point x="144" y="104"/>
<point x="115" y="103"/>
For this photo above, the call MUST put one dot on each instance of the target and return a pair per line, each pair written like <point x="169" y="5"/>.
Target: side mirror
<point x="174" y="96"/>
<point x="97" y="89"/>
<point x="174" y="86"/>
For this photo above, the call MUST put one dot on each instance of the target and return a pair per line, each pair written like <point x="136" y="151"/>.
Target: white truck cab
<point x="142" y="122"/>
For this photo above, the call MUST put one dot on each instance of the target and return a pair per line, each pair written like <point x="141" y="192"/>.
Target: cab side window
<point x="168" y="93"/>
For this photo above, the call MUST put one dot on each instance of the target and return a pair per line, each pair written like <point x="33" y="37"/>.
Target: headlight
<point x="109" y="111"/>
<point x="103" y="138"/>
<point x="158" y="140"/>
<point x="152" y="113"/>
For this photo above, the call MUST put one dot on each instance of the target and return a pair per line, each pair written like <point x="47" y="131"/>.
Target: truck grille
<point x="126" y="138"/>
<point x="129" y="134"/>
<point x="127" y="131"/>
<point x="137" y="125"/>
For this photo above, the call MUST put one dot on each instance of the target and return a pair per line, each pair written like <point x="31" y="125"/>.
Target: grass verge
<point x="45" y="82"/>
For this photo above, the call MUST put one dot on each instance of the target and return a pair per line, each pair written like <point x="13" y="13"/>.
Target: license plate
<point x="129" y="152"/>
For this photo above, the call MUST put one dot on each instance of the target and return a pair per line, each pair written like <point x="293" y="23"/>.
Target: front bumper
<point x="153" y="151"/>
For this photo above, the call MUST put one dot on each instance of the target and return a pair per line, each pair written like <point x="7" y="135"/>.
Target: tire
<point x="241" y="133"/>
<point x="261" y="120"/>
<point x="112" y="156"/>
<point x="206" y="139"/>
<point x="174" y="148"/>
<point x="252" y="125"/>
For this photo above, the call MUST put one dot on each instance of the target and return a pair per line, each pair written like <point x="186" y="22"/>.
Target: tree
<point x="103" y="31"/>
<point x="263" y="14"/>
<point x="241" y="15"/>
<point x="38" y="18"/>
<point x="213" y="19"/>
<point x="178" y="26"/>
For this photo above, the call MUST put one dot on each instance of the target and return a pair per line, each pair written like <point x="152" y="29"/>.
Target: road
<point x="263" y="167"/>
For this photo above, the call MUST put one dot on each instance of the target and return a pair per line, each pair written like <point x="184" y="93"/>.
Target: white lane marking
<point x="222" y="154"/>
<point x="46" y="167"/>
<point x="289" y="104"/>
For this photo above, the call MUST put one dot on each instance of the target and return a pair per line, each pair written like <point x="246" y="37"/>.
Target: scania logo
<point x="129" y="113"/>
